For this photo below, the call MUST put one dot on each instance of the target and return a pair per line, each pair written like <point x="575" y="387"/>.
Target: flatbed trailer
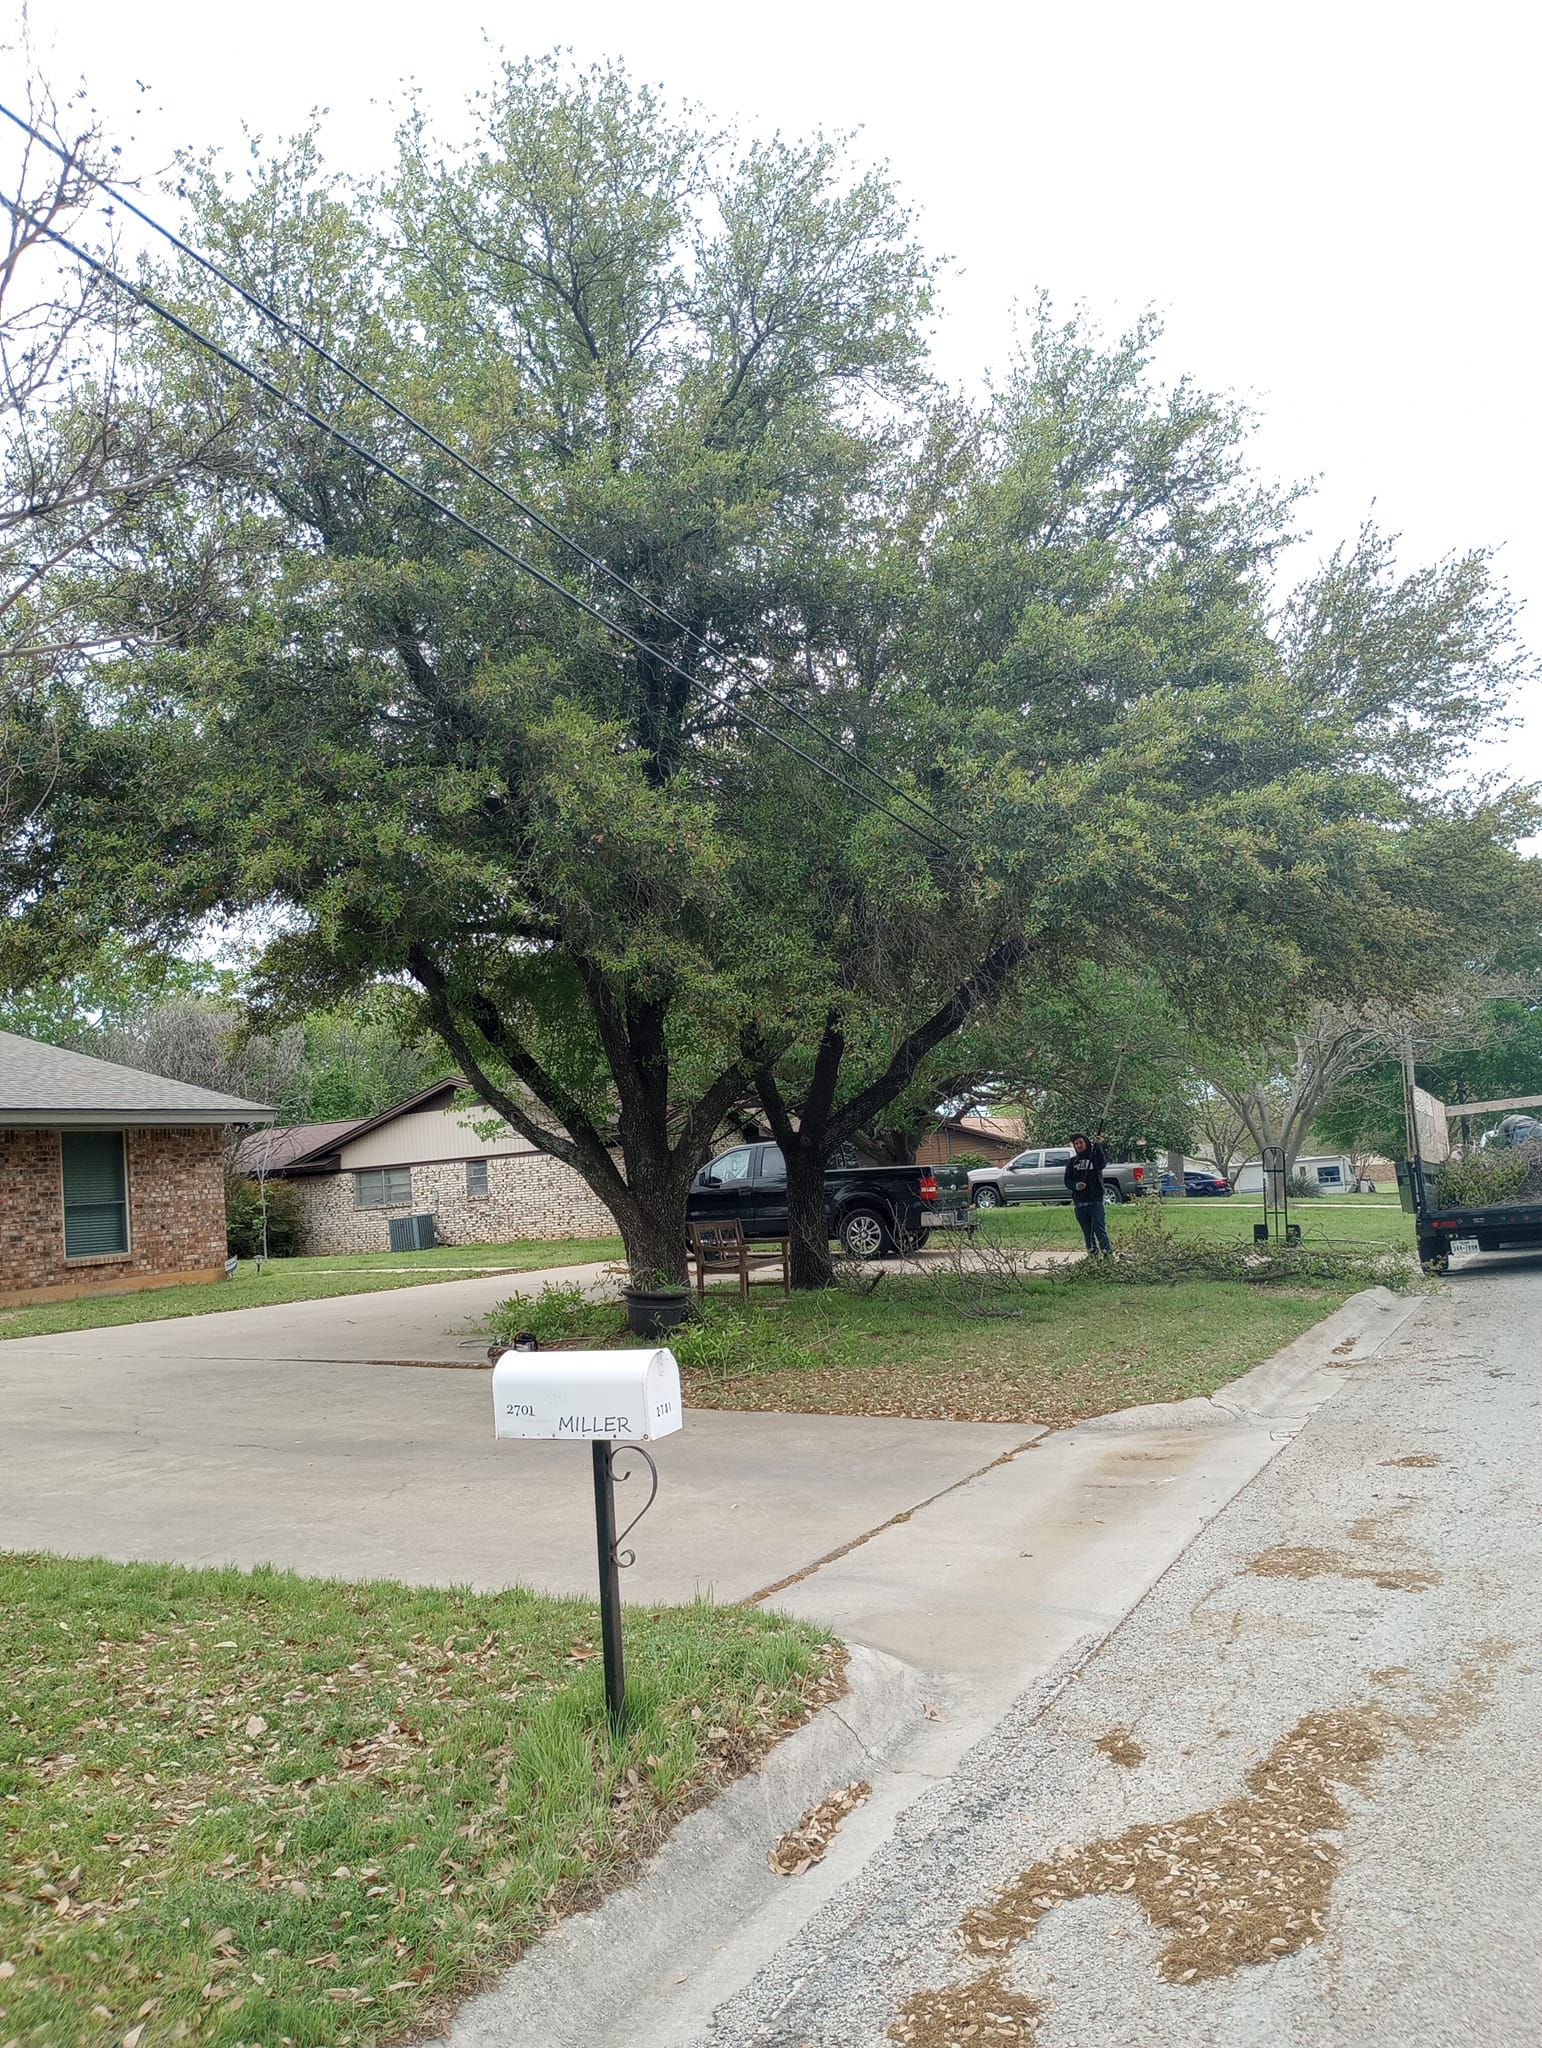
<point x="1442" y="1228"/>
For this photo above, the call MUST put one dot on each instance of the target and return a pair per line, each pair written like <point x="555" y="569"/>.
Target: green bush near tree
<point x="244" y="1202"/>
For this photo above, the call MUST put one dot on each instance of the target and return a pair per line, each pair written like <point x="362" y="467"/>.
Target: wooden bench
<point x="723" y="1248"/>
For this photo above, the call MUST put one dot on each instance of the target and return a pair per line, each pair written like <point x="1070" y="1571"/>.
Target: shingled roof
<point x="44" y="1084"/>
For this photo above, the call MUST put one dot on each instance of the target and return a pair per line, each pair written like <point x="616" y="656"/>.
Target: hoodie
<point x="1084" y="1170"/>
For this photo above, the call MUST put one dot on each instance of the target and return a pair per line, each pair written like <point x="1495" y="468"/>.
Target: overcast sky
<point x="1333" y="206"/>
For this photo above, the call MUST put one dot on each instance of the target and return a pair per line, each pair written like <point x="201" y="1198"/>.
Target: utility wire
<point x="527" y="511"/>
<point x="427" y="497"/>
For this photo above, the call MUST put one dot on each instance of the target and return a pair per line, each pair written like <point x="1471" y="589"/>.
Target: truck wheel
<point x="1433" y="1253"/>
<point x="1112" y="1192"/>
<point x="987" y="1197"/>
<point x="864" y="1234"/>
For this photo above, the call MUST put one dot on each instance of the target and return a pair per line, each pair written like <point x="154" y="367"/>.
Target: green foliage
<point x="244" y="1216"/>
<point x="1049" y="615"/>
<point x="1304" y="1187"/>
<point x="1495" y="1174"/>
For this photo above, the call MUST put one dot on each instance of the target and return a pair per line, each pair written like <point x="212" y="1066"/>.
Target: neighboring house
<point x="423" y="1157"/>
<point x="110" y="1178"/>
<point x="995" y="1139"/>
<point x="1334" y="1172"/>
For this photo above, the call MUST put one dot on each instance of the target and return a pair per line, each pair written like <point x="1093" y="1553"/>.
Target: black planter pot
<point x="654" y="1311"/>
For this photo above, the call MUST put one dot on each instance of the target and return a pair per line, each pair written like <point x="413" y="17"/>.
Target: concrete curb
<point x="618" y="1971"/>
<point x="1285" y="1388"/>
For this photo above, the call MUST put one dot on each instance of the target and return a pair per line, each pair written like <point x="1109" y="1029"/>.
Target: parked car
<point x="872" y="1210"/>
<point x="1197" y="1182"/>
<point x="1038" y="1175"/>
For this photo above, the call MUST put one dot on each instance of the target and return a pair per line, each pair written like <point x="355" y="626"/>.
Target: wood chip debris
<point x="807" y="1843"/>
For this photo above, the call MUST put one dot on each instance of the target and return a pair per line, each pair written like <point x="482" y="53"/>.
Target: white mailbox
<point x="586" y="1395"/>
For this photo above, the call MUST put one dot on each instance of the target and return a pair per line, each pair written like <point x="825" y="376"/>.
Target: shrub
<point x="1304" y="1187"/>
<point x="243" y="1217"/>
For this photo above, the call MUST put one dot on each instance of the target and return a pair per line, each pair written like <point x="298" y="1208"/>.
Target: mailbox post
<point x="617" y="1401"/>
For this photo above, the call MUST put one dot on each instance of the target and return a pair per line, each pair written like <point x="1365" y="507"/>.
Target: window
<point x="383" y="1187"/>
<point x="773" y="1168"/>
<point x="1060" y="1156"/>
<point x="1330" y="1176"/>
<point x="1024" y="1160"/>
<point x="476" y="1177"/>
<point x="730" y="1169"/>
<point x="95" y="1195"/>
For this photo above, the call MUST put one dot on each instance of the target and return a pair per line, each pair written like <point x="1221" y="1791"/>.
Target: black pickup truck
<point x="872" y="1210"/>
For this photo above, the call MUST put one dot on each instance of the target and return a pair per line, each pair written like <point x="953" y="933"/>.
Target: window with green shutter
<point x="95" y="1194"/>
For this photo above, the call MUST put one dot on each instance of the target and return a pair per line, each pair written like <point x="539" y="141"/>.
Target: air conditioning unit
<point x="413" y="1233"/>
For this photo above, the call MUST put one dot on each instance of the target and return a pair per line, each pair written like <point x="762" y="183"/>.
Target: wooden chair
<point x="722" y="1247"/>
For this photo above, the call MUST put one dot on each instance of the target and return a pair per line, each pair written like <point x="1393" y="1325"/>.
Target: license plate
<point x="1464" y="1244"/>
<point x="946" y="1219"/>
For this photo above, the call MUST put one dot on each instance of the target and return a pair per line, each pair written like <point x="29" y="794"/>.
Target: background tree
<point x="1155" y="772"/>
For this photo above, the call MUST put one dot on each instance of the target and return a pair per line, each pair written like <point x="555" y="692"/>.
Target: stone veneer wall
<point x="176" y="1194"/>
<point x="528" y="1194"/>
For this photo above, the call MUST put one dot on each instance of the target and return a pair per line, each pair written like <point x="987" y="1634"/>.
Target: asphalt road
<point x="1315" y="1820"/>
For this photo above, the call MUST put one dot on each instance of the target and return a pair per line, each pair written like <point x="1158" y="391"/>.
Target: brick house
<point x="994" y="1138"/>
<point x="430" y="1155"/>
<point x="110" y="1179"/>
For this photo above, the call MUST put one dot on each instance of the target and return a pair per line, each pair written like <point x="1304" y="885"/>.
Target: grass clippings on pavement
<point x="1120" y="1747"/>
<point x="1315" y="1561"/>
<point x="808" y="1841"/>
<point x="258" y="1809"/>
<point x="1415" y="1461"/>
<point x="1239" y="1884"/>
<point x="981" y="2012"/>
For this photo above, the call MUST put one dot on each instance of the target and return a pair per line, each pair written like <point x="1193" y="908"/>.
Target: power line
<point x="417" y="426"/>
<point x="427" y="497"/>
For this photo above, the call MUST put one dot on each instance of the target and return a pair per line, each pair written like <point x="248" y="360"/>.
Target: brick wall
<point x="176" y="1194"/>
<point x="528" y="1195"/>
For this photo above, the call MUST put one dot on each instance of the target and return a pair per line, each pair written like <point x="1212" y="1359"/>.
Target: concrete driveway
<point x="268" y="1435"/>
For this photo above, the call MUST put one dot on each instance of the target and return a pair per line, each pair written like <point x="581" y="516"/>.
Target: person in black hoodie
<point x="1084" y="1179"/>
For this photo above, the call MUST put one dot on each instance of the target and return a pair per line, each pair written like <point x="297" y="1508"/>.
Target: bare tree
<point x="1277" y="1092"/>
<point x="1221" y="1131"/>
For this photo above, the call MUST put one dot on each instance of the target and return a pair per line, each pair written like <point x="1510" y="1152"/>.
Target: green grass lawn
<point x="258" y="1809"/>
<point x="1348" y="1222"/>
<point x="1037" y="1350"/>
<point x="305" y="1280"/>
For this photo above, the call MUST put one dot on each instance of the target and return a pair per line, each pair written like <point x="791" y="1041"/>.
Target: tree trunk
<point x="1175" y="1168"/>
<point x="811" y="1264"/>
<point x="653" y="1229"/>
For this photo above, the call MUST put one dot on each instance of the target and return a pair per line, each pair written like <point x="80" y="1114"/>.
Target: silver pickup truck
<point x="1039" y="1176"/>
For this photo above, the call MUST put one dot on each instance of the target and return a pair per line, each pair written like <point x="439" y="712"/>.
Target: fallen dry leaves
<point x="809" y="1841"/>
